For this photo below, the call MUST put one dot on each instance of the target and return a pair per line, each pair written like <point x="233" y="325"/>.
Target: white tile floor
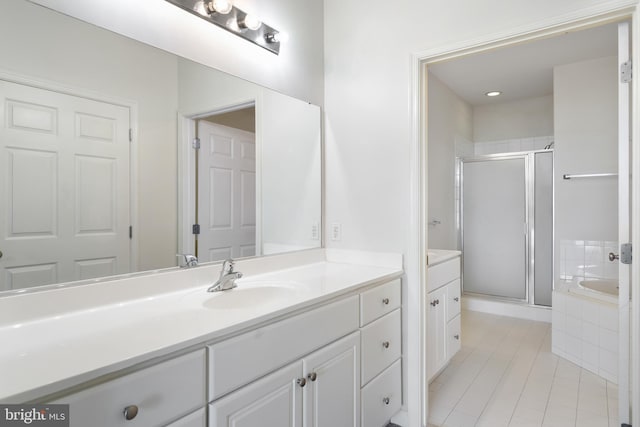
<point x="506" y="375"/>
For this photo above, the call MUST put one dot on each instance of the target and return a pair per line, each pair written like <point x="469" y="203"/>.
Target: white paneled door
<point x="64" y="187"/>
<point x="226" y="192"/>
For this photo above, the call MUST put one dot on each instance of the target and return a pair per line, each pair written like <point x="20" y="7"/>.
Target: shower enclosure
<point x="506" y="226"/>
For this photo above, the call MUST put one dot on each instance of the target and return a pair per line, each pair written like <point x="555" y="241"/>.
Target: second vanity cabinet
<point x="443" y="305"/>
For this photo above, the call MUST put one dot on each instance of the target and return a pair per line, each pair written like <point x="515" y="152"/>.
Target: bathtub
<point x="602" y="289"/>
<point x="585" y="325"/>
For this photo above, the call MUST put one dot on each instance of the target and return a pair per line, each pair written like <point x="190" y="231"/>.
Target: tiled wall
<point x="585" y="332"/>
<point x="587" y="259"/>
<point x="512" y="145"/>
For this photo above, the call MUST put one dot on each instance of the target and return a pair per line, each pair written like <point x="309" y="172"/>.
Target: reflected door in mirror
<point x="226" y="192"/>
<point x="65" y="180"/>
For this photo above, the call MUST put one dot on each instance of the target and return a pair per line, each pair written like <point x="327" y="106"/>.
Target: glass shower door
<point x="494" y="227"/>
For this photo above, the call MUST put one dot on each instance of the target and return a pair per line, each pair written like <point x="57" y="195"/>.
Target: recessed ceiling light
<point x="493" y="93"/>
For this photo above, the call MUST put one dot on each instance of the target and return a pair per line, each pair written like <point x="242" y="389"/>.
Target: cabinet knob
<point x="385" y="344"/>
<point x="386" y="400"/>
<point x="301" y="382"/>
<point x="0" y="254"/>
<point x="433" y="303"/>
<point x="437" y="301"/>
<point x="456" y="299"/>
<point x="456" y="336"/>
<point x="130" y="412"/>
<point x="312" y="376"/>
<point x="385" y="301"/>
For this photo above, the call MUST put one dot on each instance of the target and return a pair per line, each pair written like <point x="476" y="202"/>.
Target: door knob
<point x="613" y="257"/>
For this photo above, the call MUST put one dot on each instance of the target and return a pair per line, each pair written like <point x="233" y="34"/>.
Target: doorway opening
<point x="559" y="95"/>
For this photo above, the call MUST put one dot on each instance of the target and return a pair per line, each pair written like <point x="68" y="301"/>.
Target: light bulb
<point x="251" y="22"/>
<point x="220" y="6"/>
<point x="494" y="93"/>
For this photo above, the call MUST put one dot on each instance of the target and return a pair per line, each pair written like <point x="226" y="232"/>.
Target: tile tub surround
<point x="89" y="331"/>
<point x="587" y="259"/>
<point x="585" y="331"/>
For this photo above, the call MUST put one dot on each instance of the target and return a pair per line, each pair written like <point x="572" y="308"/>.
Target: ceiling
<point x="525" y="70"/>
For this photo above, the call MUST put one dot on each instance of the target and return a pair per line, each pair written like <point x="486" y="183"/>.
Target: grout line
<point x="533" y="364"/>
<point x="513" y="357"/>
<point x="546" y="406"/>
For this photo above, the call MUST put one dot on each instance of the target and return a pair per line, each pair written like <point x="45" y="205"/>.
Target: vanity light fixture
<point x="494" y="93"/>
<point x="224" y="14"/>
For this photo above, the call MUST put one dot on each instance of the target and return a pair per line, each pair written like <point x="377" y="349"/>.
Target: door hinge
<point x="130" y="135"/>
<point x="625" y="253"/>
<point x="626" y="72"/>
<point x="130" y="232"/>
<point x="196" y="229"/>
<point x="196" y="143"/>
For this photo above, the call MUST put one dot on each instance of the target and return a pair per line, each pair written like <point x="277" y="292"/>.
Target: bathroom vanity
<point x="443" y="298"/>
<point x="304" y="340"/>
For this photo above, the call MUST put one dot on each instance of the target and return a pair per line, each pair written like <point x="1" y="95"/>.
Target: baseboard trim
<point x="502" y="308"/>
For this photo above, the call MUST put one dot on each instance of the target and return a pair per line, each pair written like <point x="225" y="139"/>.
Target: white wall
<point x="524" y="118"/>
<point x="586" y="108"/>
<point x="290" y="173"/>
<point x="297" y="71"/>
<point x="450" y="120"/>
<point x="38" y="43"/>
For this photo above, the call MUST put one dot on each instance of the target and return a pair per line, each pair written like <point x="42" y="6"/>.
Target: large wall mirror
<point x="101" y="174"/>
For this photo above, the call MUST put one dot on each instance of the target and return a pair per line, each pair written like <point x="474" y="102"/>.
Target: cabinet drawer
<point x="382" y="397"/>
<point x="197" y="419"/>
<point x="380" y="345"/>
<point x="454" y="337"/>
<point x="379" y="301"/>
<point x="242" y="359"/>
<point x="162" y="393"/>
<point x="441" y="274"/>
<point x="453" y="299"/>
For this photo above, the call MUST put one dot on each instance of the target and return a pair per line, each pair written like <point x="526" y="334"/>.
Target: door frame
<point x="417" y="381"/>
<point x="132" y="105"/>
<point x="187" y="172"/>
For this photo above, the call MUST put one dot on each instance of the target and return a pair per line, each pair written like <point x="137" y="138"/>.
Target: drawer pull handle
<point x="456" y="299"/>
<point x="130" y="412"/>
<point x="385" y="344"/>
<point x="312" y="376"/>
<point x="386" y="400"/>
<point x="456" y="336"/>
<point x="301" y="382"/>
<point x="385" y="301"/>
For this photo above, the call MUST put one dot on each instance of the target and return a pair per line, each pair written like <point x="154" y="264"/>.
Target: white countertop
<point x="437" y="256"/>
<point x="44" y="354"/>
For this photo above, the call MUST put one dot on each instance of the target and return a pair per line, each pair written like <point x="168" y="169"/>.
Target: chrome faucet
<point x="189" y="260"/>
<point x="227" y="279"/>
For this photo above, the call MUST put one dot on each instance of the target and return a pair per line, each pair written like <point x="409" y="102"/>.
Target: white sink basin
<point x="248" y="294"/>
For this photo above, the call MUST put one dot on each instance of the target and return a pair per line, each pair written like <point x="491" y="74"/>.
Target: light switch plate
<point x="336" y="231"/>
